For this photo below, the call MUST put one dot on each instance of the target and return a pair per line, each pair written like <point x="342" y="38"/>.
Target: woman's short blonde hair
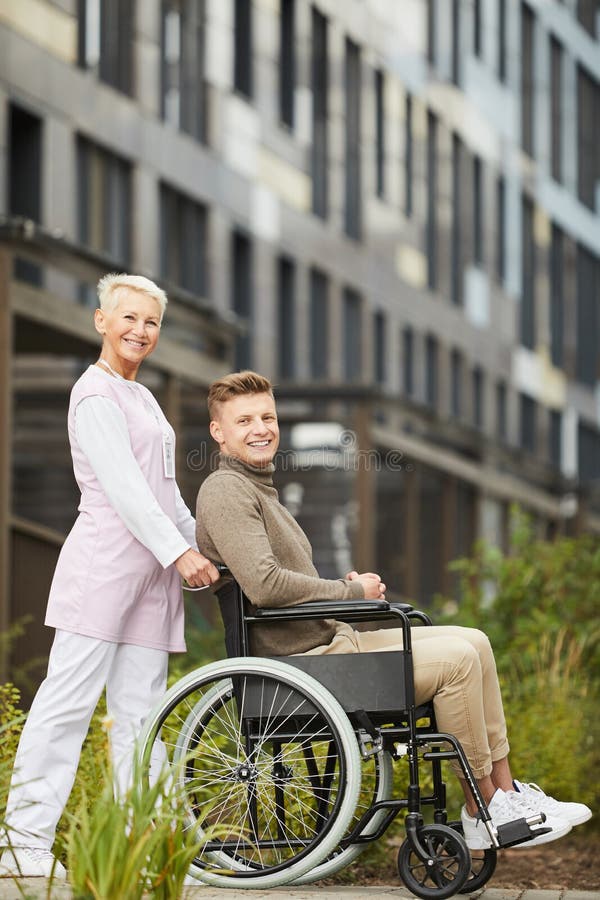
<point x="109" y="289"/>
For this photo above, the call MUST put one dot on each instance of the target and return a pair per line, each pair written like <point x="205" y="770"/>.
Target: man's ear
<point x="215" y="431"/>
<point x="99" y="321"/>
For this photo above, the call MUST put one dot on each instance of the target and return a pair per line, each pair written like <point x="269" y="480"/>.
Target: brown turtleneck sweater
<point x="241" y="523"/>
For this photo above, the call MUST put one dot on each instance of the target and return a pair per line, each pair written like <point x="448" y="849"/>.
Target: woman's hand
<point x="373" y="585"/>
<point x="195" y="569"/>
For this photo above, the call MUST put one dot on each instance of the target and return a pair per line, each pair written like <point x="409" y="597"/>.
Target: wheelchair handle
<point x="221" y="569"/>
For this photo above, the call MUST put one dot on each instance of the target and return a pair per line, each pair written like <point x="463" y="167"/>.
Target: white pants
<point x="79" y="668"/>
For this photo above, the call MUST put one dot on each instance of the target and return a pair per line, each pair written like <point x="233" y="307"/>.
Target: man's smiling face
<point x="246" y="427"/>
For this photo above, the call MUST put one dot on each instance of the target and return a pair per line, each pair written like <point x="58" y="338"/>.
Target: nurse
<point x="115" y="600"/>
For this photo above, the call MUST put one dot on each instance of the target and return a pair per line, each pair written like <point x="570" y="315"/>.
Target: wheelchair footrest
<point x="519" y="831"/>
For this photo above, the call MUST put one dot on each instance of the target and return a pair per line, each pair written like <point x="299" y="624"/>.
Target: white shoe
<point x="506" y="806"/>
<point x="575" y="813"/>
<point x="31" y="862"/>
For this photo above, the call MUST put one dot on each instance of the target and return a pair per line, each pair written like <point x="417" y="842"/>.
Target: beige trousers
<point x="454" y="667"/>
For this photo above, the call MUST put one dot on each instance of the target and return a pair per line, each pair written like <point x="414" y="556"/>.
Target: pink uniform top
<point x="107" y="584"/>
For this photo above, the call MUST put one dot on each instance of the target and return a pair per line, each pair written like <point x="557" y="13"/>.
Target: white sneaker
<point x="506" y="806"/>
<point x="575" y="813"/>
<point x="31" y="862"/>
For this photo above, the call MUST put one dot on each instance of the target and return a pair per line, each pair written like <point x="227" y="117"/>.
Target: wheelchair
<point x="286" y="763"/>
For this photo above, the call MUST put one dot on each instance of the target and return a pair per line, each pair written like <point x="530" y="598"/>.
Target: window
<point x="478" y="213"/>
<point x="431" y="371"/>
<point x="557" y="297"/>
<point x="555" y="439"/>
<point x="25" y="178"/>
<point x="408" y="156"/>
<point x="408" y="363"/>
<point x="456" y="26"/>
<point x="431" y="32"/>
<point x="104" y="201"/>
<point x="106" y="40"/>
<point x="528" y="328"/>
<point x="183" y="251"/>
<point x="478" y="389"/>
<point x="588" y="317"/>
<point x="319" y="324"/>
<point x="477" y="44"/>
<point x="287" y="62"/>
<point x="320" y="115"/>
<point x="588" y="453"/>
<point x="242" y="58"/>
<point x="183" y="94"/>
<point x="528" y="423"/>
<point x="242" y="300"/>
<point x="379" y="133"/>
<point x="501" y="411"/>
<point x="379" y="348"/>
<point x="456" y="262"/>
<point x="432" y="204"/>
<point x="556" y="122"/>
<point x="352" y="335"/>
<point x="500" y="229"/>
<point x="587" y="16"/>
<point x="456" y="377"/>
<point x="501" y="61"/>
<point x="527" y="78"/>
<point x="353" y="182"/>
<point x="286" y="316"/>
<point x="588" y="137"/>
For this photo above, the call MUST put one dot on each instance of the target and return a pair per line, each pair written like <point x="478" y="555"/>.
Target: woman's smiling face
<point x="130" y="331"/>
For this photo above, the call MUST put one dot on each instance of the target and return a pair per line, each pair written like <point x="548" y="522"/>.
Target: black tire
<point x="450" y="863"/>
<point x="483" y="865"/>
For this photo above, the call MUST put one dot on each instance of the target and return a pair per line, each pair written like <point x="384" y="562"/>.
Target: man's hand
<point x="196" y="569"/>
<point x="373" y="585"/>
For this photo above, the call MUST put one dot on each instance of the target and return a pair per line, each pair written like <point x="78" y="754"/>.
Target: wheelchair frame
<point x="334" y="694"/>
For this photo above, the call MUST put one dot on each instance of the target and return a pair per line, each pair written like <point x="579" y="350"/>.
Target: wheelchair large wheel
<point x="269" y="766"/>
<point x="377" y="784"/>
<point x="444" y="873"/>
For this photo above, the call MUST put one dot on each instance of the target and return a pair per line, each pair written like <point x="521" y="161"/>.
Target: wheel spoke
<point x="238" y="743"/>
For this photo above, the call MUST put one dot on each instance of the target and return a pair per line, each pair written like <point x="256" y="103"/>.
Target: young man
<point x="240" y="522"/>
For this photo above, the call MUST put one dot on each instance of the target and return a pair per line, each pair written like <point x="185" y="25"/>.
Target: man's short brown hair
<point x="235" y="385"/>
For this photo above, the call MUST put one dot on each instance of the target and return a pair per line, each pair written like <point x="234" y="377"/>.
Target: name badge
<point x="168" y="456"/>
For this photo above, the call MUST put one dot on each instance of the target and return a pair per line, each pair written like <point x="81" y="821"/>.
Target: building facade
<point x="391" y="208"/>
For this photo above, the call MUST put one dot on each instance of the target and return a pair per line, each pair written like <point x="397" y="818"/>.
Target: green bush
<point x="136" y="846"/>
<point x="11" y="724"/>
<point x="539" y="606"/>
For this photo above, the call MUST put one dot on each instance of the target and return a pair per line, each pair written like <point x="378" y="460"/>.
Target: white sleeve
<point x="102" y="434"/>
<point x="185" y="520"/>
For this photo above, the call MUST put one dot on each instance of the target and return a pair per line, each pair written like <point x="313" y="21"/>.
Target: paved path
<point x="36" y="889"/>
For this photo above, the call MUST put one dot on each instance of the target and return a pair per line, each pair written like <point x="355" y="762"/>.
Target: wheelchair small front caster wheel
<point x="445" y="871"/>
<point x="483" y="865"/>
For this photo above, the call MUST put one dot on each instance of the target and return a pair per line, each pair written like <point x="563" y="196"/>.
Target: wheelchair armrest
<point x="314" y="609"/>
<point x="403" y="607"/>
